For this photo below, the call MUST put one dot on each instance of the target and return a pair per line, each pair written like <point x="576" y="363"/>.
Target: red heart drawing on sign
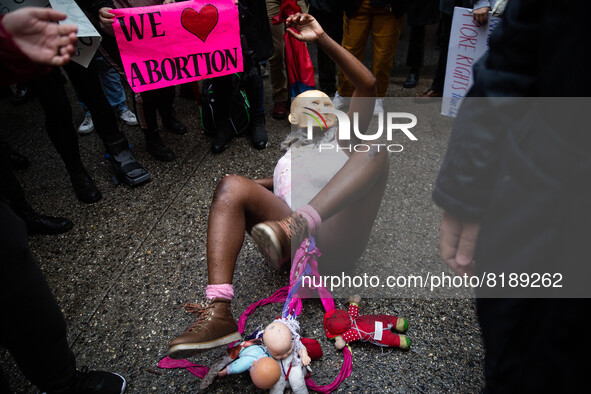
<point x="200" y="23"/>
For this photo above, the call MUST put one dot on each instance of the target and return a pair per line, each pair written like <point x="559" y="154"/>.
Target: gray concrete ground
<point x="133" y="259"/>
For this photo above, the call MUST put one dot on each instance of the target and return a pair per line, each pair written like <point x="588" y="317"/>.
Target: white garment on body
<point x="304" y="170"/>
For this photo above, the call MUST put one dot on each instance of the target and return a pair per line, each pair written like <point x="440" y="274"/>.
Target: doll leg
<point x="390" y="339"/>
<point x="279" y="387"/>
<point x="399" y="324"/>
<point x="238" y="204"/>
<point x="297" y="381"/>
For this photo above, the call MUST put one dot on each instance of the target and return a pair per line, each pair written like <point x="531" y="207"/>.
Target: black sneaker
<point x="94" y="382"/>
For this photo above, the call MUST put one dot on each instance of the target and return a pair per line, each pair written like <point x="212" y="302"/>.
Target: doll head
<point x="265" y="373"/>
<point x="278" y="340"/>
<point x="307" y="105"/>
<point x="336" y="322"/>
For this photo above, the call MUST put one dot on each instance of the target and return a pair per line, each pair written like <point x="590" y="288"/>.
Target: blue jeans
<point x="111" y="81"/>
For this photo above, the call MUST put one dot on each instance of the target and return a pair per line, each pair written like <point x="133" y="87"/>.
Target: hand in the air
<point x="308" y="28"/>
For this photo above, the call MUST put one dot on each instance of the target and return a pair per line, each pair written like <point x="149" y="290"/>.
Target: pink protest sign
<point x="177" y="43"/>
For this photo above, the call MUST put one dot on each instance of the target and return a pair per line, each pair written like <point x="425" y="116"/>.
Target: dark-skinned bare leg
<point x="238" y="204"/>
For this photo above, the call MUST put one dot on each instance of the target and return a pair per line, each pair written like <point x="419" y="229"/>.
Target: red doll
<point x="348" y="327"/>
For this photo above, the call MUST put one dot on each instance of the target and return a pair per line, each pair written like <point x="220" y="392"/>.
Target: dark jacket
<point x="537" y="51"/>
<point x="254" y="26"/>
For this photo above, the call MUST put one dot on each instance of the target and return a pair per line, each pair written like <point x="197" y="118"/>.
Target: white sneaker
<point x="128" y="117"/>
<point x="338" y="101"/>
<point x="86" y="126"/>
<point x="379" y="107"/>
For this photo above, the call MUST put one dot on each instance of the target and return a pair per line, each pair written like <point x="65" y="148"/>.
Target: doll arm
<point x="339" y="342"/>
<point x="353" y="310"/>
<point x="351" y="335"/>
<point x="241" y="364"/>
<point x="304" y="356"/>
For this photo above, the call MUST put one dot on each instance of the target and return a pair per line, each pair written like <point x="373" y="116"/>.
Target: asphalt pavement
<point x="122" y="274"/>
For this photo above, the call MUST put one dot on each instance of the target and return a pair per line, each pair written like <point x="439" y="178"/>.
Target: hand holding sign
<point x="106" y="17"/>
<point x="177" y="43"/>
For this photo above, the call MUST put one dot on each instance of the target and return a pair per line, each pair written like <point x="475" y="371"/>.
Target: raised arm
<point x="309" y="30"/>
<point x="363" y="170"/>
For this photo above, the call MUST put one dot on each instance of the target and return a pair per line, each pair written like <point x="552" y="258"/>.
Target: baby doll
<point x="349" y="327"/>
<point x="283" y="342"/>
<point x="251" y="356"/>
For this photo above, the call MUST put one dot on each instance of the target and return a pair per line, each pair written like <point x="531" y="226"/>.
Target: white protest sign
<point x="468" y="42"/>
<point x="88" y="38"/>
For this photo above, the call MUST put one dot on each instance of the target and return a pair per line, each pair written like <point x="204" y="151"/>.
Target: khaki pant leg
<point x="386" y="29"/>
<point x="355" y="33"/>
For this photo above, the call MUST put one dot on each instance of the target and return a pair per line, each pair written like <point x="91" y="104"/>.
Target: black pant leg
<point x="537" y="223"/>
<point x="416" y="48"/>
<point x="58" y="118"/>
<point x="10" y="187"/>
<point x="33" y="328"/>
<point x="165" y="100"/>
<point x="146" y="108"/>
<point x="89" y="88"/>
<point x="439" y="79"/>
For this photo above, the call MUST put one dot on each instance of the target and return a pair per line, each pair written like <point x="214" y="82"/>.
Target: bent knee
<point x="228" y="186"/>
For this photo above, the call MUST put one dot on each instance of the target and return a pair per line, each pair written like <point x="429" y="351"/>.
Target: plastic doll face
<point x="280" y="354"/>
<point x="307" y="105"/>
<point x="278" y="340"/>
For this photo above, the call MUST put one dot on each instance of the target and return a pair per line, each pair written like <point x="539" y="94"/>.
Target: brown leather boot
<point x="214" y="327"/>
<point x="274" y="238"/>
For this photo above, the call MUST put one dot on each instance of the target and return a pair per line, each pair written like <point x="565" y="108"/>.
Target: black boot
<point x="40" y="224"/>
<point x="412" y="81"/>
<point x="125" y="168"/>
<point x="156" y="147"/>
<point x="172" y="124"/>
<point x="259" y="132"/>
<point x="84" y="186"/>
<point x="221" y="138"/>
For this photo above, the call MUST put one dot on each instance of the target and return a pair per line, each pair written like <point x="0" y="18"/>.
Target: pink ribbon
<point x="198" y="370"/>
